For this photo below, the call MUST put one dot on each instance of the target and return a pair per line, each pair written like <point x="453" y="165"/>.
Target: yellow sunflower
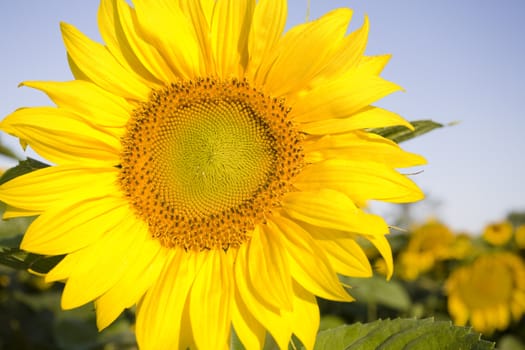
<point x="489" y="293"/>
<point x="498" y="233"/>
<point x="429" y="243"/>
<point x="210" y="169"/>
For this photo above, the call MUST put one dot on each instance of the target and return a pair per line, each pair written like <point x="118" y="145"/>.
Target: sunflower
<point x="428" y="244"/>
<point x="498" y="233"/>
<point x="210" y="169"/>
<point x="489" y="292"/>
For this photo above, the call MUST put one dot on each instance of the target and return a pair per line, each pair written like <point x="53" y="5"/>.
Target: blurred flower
<point x="498" y="233"/>
<point x="210" y="169"/>
<point x="461" y="247"/>
<point x="489" y="292"/>
<point x="519" y="236"/>
<point x="427" y="244"/>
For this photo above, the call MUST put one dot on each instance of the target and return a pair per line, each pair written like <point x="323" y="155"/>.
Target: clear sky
<point x="459" y="60"/>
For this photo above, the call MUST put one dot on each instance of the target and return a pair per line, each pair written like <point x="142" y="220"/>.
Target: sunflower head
<point x="211" y="168"/>
<point x="428" y="244"/>
<point x="499" y="233"/>
<point x="489" y="293"/>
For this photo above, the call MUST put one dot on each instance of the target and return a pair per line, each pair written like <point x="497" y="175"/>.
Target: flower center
<point x="204" y="162"/>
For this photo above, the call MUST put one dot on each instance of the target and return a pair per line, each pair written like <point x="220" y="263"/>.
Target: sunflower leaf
<point x="401" y="334"/>
<point x="21" y="260"/>
<point x="400" y="133"/>
<point x="23" y="167"/>
<point x="378" y="290"/>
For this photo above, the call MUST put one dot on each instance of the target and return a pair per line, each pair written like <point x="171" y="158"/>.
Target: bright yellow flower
<point x="489" y="293"/>
<point x="428" y="243"/>
<point x="210" y="169"/>
<point x="519" y="236"/>
<point x="498" y="233"/>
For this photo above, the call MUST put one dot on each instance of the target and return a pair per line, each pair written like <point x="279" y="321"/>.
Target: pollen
<point x="205" y="161"/>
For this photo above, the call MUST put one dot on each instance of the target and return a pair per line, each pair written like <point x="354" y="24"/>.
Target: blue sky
<point x="458" y="61"/>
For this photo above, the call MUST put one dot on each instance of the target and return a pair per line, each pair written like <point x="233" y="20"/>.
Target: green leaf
<point x="378" y="290"/>
<point x="23" y="167"/>
<point x="401" y="133"/>
<point x="21" y="260"/>
<point x="409" y="334"/>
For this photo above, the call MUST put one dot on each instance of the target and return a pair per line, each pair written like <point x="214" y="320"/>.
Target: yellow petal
<point x="269" y="267"/>
<point x="118" y="23"/>
<point x="199" y="13"/>
<point x="62" y="137"/>
<point x="345" y="255"/>
<point x="374" y="64"/>
<point x="304" y="51"/>
<point x="266" y="315"/>
<point x="59" y="185"/>
<point x="136" y="280"/>
<point x="308" y="264"/>
<point x="115" y="252"/>
<point x="383" y="246"/>
<point x="97" y="63"/>
<point x="230" y="25"/>
<point x="64" y="268"/>
<point x="210" y="301"/>
<point x="164" y="25"/>
<point x="305" y="316"/>
<point x="269" y="19"/>
<point x="360" y="146"/>
<point x="350" y="52"/>
<point x="159" y="313"/>
<point x="250" y="332"/>
<point x="13" y="212"/>
<point x="89" y="101"/>
<point x="369" y="117"/>
<point x="359" y="180"/>
<point x="64" y="229"/>
<point x="332" y="209"/>
<point x="339" y="98"/>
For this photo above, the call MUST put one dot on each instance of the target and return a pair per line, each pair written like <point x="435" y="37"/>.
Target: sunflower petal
<point x="117" y="23"/>
<point x="360" y="146"/>
<point x="269" y="267"/>
<point x="61" y="137"/>
<point x="115" y="252"/>
<point x="368" y="117"/>
<point x="305" y="316"/>
<point x="136" y="280"/>
<point x="97" y="63"/>
<point x="349" y="54"/>
<point x="250" y="331"/>
<point x="308" y="264"/>
<point x="199" y="12"/>
<point x="159" y="313"/>
<point x="180" y="47"/>
<point x="383" y="246"/>
<point x="229" y="35"/>
<point x="332" y="209"/>
<point x="269" y="19"/>
<point x="210" y="301"/>
<point x="89" y="101"/>
<point x="266" y="315"/>
<point x="295" y="62"/>
<point x="59" y="185"/>
<point x="340" y="98"/>
<point x="62" y="230"/>
<point x="359" y="180"/>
